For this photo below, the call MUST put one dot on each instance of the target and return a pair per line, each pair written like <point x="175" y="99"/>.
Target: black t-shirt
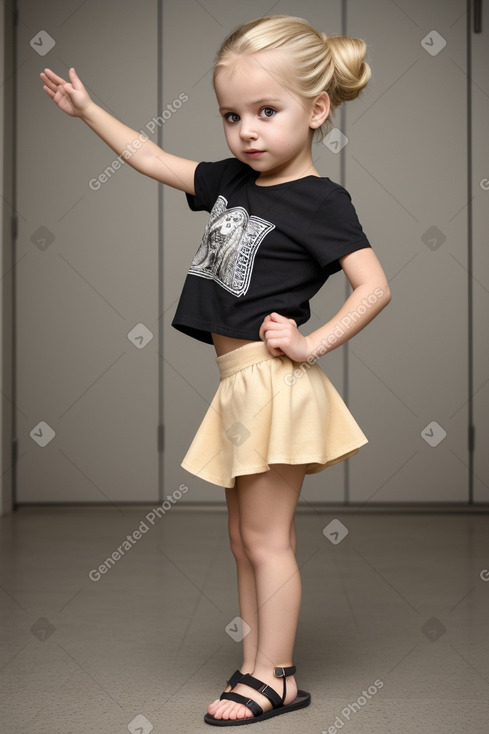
<point x="264" y="249"/>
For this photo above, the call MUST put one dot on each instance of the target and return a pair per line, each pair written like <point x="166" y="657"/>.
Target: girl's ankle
<point x="247" y="667"/>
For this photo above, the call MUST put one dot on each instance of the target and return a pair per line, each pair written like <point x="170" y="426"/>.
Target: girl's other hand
<point x="282" y="336"/>
<point x="71" y="97"/>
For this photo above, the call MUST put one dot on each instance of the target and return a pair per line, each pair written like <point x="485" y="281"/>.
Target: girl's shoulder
<point x="325" y="188"/>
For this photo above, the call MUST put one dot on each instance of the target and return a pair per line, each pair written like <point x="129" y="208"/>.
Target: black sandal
<point x="302" y="699"/>
<point x="235" y="678"/>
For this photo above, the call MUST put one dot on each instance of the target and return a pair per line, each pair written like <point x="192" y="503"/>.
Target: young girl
<point x="277" y="231"/>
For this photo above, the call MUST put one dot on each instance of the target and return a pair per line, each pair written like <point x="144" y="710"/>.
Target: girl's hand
<point x="282" y="336"/>
<point x="71" y="97"/>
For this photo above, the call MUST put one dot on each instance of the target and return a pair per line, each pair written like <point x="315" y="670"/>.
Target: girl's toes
<point x="238" y="711"/>
<point x="230" y="712"/>
<point x="219" y="710"/>
<point x="243" y="712"/>
<point x="212" y="707"/>
<point x="223" y="711"/>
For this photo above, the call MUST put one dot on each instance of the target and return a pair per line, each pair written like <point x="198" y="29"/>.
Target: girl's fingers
<point x="54" y="78"/>
<point x="264" y="326"/>
<point x="75" y="79"/>
<point x="274" y="351"/>
<point x="275" y="327"/>
<point x="278" y="318"/>
<point x="48" y="91"/>
<point x="50" y="86"/>
<point x="280" y="327"/>
<point x="47" y="82"/>
<point x="68" y="88"/>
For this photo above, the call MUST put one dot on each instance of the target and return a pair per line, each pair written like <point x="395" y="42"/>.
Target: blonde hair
<point x="316" y="62"/>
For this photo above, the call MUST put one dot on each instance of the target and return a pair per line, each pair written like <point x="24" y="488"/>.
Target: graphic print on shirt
<point x="228" y="247"/>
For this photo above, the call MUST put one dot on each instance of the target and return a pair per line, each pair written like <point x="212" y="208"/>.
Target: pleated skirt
<point x="270" y="410"/>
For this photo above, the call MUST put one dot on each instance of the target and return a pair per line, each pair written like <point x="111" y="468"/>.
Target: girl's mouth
<point x="254" y="153"/>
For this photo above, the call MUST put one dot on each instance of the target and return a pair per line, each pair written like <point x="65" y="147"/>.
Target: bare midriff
<point x="225" y="344"/>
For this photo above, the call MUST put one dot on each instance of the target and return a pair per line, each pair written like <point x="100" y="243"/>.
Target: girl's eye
<point x="268" y="111"/>
<point x="231" y="117"/>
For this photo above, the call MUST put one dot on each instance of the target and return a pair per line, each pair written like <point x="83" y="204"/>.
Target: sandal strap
<point x="235" y="678"/>
<point x="284" y="672"/>
<point x="248" y="702"/>
<point x="264" y="689"/>
<point x="281" y="672"/>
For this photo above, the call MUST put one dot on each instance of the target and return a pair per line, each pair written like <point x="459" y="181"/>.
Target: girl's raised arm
<point x="142" y="154"/>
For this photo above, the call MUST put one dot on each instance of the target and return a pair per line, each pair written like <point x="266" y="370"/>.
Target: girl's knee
<point x="259" y="547"/>
<point x="236" y="543"/>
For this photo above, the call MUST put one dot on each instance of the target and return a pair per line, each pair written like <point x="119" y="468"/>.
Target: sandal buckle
<point x="279" y="672"/>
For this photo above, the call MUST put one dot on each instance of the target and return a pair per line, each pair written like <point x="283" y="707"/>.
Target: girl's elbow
<point x="384" y="293"/>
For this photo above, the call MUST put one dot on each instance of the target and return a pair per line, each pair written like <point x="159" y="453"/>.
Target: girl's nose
<point x="247" y="130"/>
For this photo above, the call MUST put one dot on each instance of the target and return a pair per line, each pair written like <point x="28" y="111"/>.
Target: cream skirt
<point x="270" y="410"/>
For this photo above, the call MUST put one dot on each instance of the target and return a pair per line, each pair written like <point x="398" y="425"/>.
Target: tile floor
<point x="398" y="609"/>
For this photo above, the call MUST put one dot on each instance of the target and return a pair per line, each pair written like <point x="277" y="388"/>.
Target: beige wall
<point x="82" y="341"/>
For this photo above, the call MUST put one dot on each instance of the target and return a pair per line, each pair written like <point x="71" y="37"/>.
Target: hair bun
<point x="351" y="71"/>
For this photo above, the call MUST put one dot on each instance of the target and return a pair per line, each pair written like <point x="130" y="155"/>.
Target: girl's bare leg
<point x="267" y="504"/>
<point x="246" y="585"/>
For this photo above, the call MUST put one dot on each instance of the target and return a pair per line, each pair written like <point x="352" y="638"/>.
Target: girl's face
<point x="266" y="125"/>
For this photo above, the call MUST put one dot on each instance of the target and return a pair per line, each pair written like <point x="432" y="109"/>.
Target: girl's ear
<point x="320" y="110"/>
